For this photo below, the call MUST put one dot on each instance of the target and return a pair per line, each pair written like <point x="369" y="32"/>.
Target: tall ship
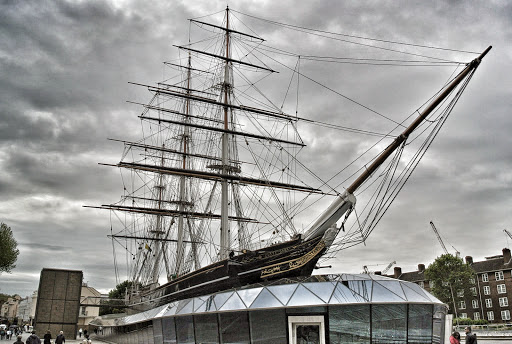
<point x="215" y="194"/>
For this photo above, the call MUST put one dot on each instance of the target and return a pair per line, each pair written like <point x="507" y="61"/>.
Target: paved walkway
<point x="94" y="339"/>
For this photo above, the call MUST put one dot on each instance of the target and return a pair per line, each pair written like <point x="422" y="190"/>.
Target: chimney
<point x="506" y="255"/>
<point x="398" y="272"/>
<point x="421" y="267"/>
<point x="469" y="260"/>
<point x="378" y="273"/>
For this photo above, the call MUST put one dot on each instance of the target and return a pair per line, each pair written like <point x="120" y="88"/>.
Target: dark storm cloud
<point x="65" y="67"/>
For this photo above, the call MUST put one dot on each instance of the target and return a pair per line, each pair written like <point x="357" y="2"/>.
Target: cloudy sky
<point x="65" y="68"/>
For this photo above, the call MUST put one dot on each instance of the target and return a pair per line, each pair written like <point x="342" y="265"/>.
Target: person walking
<point x="80" y="333"/>
<point x="47" y="337"/>
<point x="60" y="338"/>
<point x="18" y="340"/>
<point x="455" y="338"/>
<point x="33" y="339"/>
<point x="470" y="337"/>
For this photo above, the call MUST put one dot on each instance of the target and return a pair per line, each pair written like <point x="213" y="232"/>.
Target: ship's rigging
<point x="217" y="172"/>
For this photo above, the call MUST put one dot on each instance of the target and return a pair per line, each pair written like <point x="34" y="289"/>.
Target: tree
<point x="119" y="293"/>
<point x="8" y="249"/>
<point x="451" y="277"/>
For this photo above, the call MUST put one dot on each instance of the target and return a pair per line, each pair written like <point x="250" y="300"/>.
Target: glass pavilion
<point x="319" y="309"/>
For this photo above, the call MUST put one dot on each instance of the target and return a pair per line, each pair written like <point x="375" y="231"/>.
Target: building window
<point x="490" y="315"/>
<point x="431" y="284"/>
<point x="463" y="315"/>
<point x="474" y="303"/>
<point x="476" y="316"/>
<point x="422" y="284"/>
<point x="505" y="315"/>
<point x="473" y="291"/>
<point x="502" y="289"/>
<point x="462" y="304"/>
<point x="485" y="277"/>
<point x="487" y="290"/>
<point x="503" y="301"/>
<point x="472" y="280"/>
<point x="488" y="303"/>
<point x="460" y="293"/>
<point x="499" y="275"/>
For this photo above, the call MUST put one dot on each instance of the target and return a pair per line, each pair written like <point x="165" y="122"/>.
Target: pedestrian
<point x="33" y="339"/>
<point x="60" y="338"/>
<point x="470" y="337"/>
<point x="18" y="340"/>
<point x="2" y="333"/>
<point x="47" y="337"/>
<point x="455" y="338"/>
<point x="80" y="333"/>
<point x="9" y="334"/>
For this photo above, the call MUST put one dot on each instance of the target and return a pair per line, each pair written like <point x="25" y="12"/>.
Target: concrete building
<point x="491" y="290"/>
<point x="88" y="296"/>
<point x="27" y="309"/>
<point x="10" y="307"/>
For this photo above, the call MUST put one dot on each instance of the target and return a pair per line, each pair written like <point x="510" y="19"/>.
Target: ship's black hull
<point x="290" y="259"/>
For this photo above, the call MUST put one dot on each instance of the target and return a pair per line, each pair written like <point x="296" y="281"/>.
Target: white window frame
<point x="488" y="303"/>
<point x="502" y="289"/>
<point x="463" y="315"/>
<point x="490" y="315"/>
<point x="474" y="303"/>
<point x="460" y="293"/>
<point x="476" y="316"/>
<point x="472" y="280"/>
<point x="462" y="304"/>
<point x="487" y="290"/>
<point x="431" y="284"/>
<point x="505" y="315"/>
<point x="499" y="275"/>
<point x="473" y="291"/>
<point x="485" y="277"/>
<point x="503" y="301"/>
<point x="294" y="321"/>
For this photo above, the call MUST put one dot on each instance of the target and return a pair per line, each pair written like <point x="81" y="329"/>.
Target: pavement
<point x="94" y="339"/>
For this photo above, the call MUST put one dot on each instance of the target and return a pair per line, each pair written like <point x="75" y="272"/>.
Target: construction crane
<point x="441" y="241"/>
<point x="438" y="237"/>
<point x="508" y="233"/>
<point x="388" y="267"/>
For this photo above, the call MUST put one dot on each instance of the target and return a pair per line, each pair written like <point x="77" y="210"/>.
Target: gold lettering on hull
<point x="292" y="264"/>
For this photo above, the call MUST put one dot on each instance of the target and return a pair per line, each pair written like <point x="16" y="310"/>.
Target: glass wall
<point x="349" y="324"/>
<point x="420" y="324"/>
<point x="389" y="324"/>
<point x="234" y="328"/>
<point x="206" y="328"/>
<point x="169" y="331"/>
<point x="346" y="324"/>
<point x="268" y="327"/>
<point x="185" y="329"/>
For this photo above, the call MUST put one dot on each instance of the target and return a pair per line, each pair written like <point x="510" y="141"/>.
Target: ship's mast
<point x="225" y="232"/>
<point x="182" y="196"/>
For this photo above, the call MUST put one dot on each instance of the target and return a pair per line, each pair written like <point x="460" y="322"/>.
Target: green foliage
<point x="8" y="249"/>
<point x="450" y="275"/>
<point x="3" y="298"/>
<point x="468" y="321"/>
<point x="112" y="307"/>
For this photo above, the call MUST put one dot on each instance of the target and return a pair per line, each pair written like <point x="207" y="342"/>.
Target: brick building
<point x="491" y="290"/>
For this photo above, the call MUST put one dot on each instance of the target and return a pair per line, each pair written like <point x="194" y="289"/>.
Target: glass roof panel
<point x="185" y="307"/>
<point x="248" y="295"/>
<point x="342" y="294"/>
<point x="381" y="294"/>
<point x="221" y="298"/>
<point x="413" y="295"/>
<point x="233" y="303"/>
<point x="392" y="286"/>
<point x="323" y="290"/>
<point x="266" y="300"/>
<point x="283" y="292"/>
<point x="422" y="291"/>
<point x="303" y="296"/>
<point x="361" y="288"/>
<point x="171" y="310"/>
